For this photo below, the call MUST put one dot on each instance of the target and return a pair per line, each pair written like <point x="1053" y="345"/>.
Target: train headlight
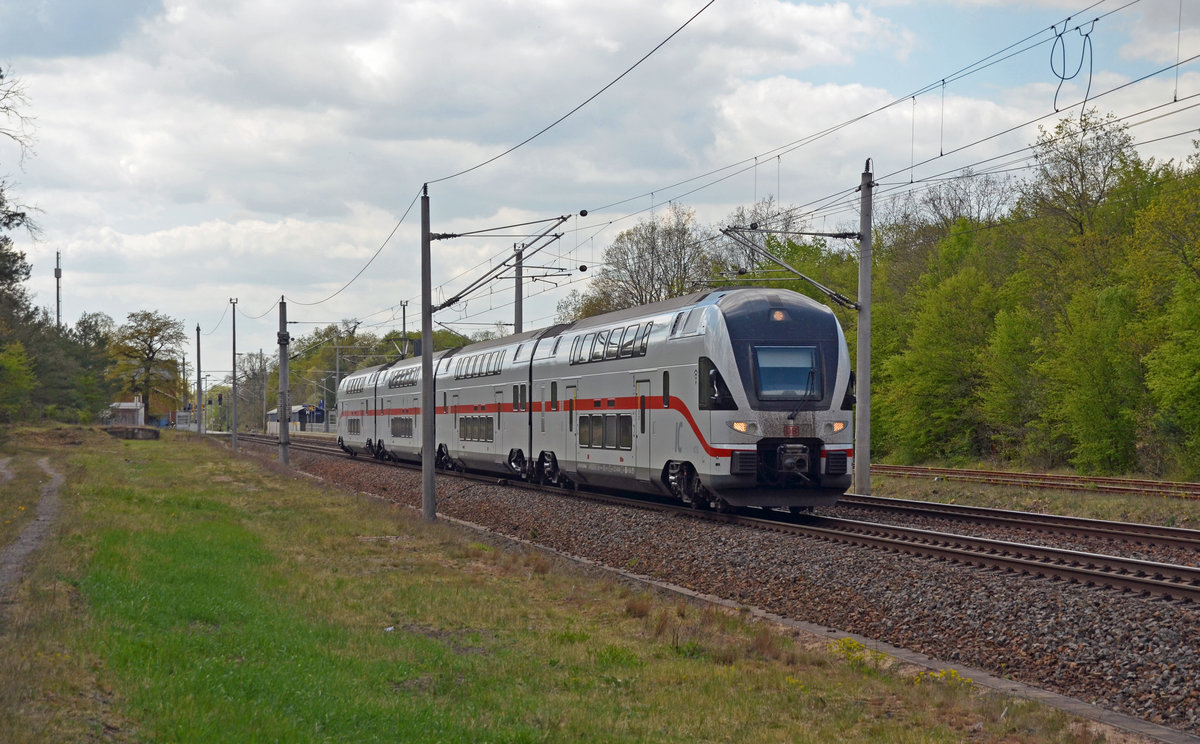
<point x="836" y="426"/>
<point x="744" y="427"/>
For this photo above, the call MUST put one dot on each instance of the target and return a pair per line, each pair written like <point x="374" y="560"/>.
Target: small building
<point x="305" y="417"/>
<point x="124" y="413"/>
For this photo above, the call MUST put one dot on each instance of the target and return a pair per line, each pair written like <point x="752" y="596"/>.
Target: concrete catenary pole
<point x="862" y="416"/>
<point x="196" y="410"/>
<point x="285" y="406"/>
<point x="58" y="289"/>
<point x="428" y="402"/>
<point x="233" y="392"/>
<point x="404" y="327"/>
<point x="519" y="311"/>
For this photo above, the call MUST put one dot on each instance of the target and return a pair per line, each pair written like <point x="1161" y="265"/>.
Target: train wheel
<point x="681" y="479"/>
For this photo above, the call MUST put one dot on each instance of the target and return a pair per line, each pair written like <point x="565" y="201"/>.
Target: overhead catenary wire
<point x="591" y="98"/>
<point x="840" y="200"/>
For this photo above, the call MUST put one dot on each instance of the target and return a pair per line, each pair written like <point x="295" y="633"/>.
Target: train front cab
<point x="774" y="394"/>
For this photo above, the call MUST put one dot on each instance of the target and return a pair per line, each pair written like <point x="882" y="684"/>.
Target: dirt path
<point x="13" y="557"/>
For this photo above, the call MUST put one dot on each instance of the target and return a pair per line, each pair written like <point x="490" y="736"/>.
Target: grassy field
<point x="190" y="595"/>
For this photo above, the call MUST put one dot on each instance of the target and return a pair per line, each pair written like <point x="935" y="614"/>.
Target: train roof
<point x="734" y="301"/>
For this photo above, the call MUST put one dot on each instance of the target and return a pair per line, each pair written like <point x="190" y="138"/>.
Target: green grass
<point x="192" y="596"/>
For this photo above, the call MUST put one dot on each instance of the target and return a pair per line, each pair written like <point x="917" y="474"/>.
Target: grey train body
<point x="736" y="396"/>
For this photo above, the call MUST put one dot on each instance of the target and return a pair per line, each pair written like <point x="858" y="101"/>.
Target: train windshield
<point x="787" y="372"/>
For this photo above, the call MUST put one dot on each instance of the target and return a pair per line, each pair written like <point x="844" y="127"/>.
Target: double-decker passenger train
<point x="730" y="397"/>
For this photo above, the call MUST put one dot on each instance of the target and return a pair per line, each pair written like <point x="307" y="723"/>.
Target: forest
<point x="1044" y="319"/>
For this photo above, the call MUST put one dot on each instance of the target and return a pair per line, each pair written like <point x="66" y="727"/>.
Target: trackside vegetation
<point x="188" y="594"/>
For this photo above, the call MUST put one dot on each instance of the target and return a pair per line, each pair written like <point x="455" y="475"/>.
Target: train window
<point x="666" y="389"/>
<point x="575" y="349"/>
<point x="554" y="349"/>
<point x="675" y="324"/>
<point x="458" y="369"/>
<point x="524" y="401"/>
<point x="597" y="431"/>
<point x="610" y="432"/>
<point x="629" y="340"/>
<point x="614" y="344"/>
<point x="625" y="432"/>
<point x="516" y="397"/>
<point x="693" y="325"/>
<point x="645" y="340"/>
<point x="585" y="431"/>
<point x="787" y="372"/>
<point x="517" y="353"/>
<point x="553" y="395"/>
<point x="354" y="426"/>
<point x="714" y="393"/>
<point x="598" y="346"/>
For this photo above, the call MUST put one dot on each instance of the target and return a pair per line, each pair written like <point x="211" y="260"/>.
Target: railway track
<point x="1131" y="532"/>
<point x="1140" y="577"/>
<point x="1045" y="480"/>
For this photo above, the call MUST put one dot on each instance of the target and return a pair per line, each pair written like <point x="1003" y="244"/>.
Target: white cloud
<point x="253" y="148"/>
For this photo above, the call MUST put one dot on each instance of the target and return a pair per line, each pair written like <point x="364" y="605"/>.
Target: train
<point x="732" y="397"/>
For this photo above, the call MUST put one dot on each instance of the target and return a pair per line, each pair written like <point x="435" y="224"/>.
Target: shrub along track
<point x="1139" y="656"/>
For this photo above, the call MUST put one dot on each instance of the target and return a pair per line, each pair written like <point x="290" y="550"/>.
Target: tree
<point x="146" y="349"/>
<point x="930" y="394"/>
<point x="662" y="257"/>
<point x="1096" y="379"/>
<point x="16" y="381"/>
<point x="14" y="126"/>
<point x="1078" y="164"/>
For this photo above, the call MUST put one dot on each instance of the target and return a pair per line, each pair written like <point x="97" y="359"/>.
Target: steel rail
<point x="1145" y="534"/>
<point x="1045" y="480"/>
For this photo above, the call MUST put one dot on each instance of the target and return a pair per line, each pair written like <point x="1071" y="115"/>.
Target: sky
<point x="187" y="153"/>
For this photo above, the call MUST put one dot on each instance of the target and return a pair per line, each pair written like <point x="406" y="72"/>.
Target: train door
<point x="642" y="430"/>
<point x="501" y="439"/>
<point x="414" y="412"/>
<point x="454" y="422"/>
<point x="570" y="443"/>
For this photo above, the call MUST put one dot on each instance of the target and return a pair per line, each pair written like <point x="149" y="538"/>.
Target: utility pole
<point x="862" y="413"/>
<point x="58" y="288"/>
<point x="262" y="374"/>
<point x="233" y="393"/>
<point x="517" y="320"/>
<point x="428" y="402"/>
<point x="285" y="406"/>
<point x="199" y="400"/>
<point x="404" y="326"/>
